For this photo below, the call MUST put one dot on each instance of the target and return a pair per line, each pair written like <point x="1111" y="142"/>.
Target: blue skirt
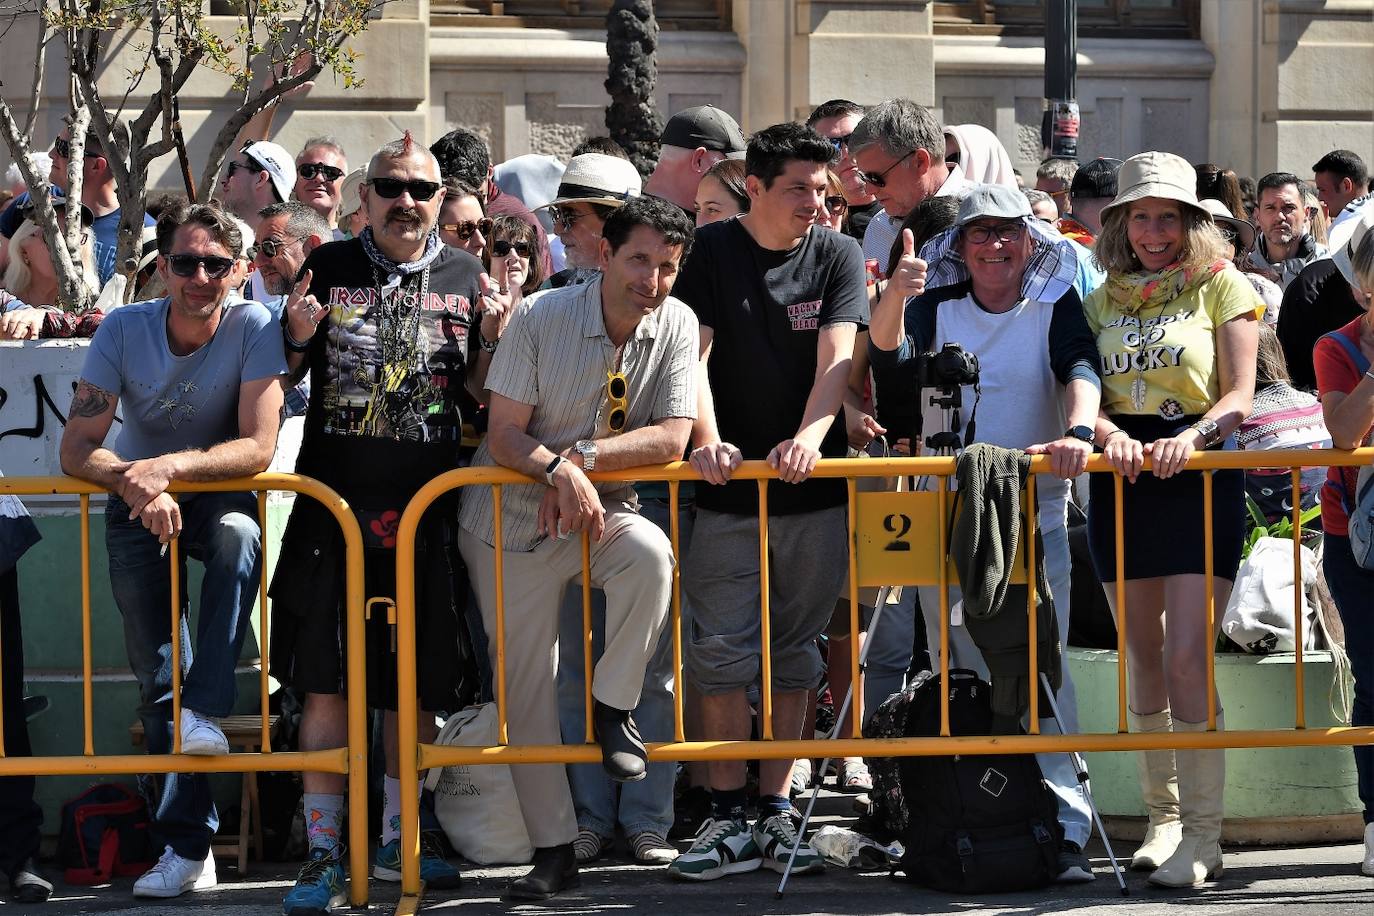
<point x="1163" y="519"/>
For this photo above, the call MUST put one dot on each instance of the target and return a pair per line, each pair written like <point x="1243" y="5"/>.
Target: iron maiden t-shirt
<point x="766" y="309"/>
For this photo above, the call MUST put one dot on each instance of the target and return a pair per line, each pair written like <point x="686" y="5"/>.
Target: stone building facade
<point x="1252" y="84"/>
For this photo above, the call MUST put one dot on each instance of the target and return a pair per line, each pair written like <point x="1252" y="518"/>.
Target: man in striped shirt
<point x="600" y="376"/>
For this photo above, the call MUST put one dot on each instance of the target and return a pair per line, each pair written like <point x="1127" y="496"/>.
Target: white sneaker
<point x="1367" y="866"/>
<point x="172" y="876"/>
<point x="201" y="735"/>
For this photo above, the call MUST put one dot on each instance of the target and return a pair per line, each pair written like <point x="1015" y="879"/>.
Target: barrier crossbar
<point x="350" y="761"/>
<point x="930" y="533"/>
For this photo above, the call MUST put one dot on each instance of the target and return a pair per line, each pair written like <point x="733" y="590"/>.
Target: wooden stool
<point x="244" y="733"/>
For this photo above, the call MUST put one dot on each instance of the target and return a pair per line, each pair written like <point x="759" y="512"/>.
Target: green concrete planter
<point x="1273" y="795"/>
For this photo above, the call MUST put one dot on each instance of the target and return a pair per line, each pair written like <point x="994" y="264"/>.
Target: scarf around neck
<point x="1148" y="289"/>
<point x="394" y="271"/>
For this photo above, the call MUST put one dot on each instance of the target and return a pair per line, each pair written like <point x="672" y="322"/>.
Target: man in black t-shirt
<point x="779" y="302"/>
<point x="387" y="326"/>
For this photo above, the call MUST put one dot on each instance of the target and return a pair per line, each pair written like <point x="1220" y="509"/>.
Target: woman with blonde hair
<point x="1176" y="329"/>
<point x="1346" y="386"/>
<point x="29" y="290"/>
<point x="834" y="211"/>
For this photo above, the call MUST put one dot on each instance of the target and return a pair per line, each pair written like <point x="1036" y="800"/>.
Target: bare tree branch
<point x="40" y="57"/>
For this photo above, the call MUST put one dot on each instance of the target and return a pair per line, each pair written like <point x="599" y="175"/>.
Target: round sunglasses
<point x="467" y="227"/>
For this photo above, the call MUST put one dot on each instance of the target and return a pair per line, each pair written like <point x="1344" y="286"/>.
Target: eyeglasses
<point x="617" y="393"/>
<point x="840" y="144"/>
<point x="1005" y="232"/>
<point x="234" y="165"/>
<point x="312" y="170"/>
<point x="184" y="265"/>
<point x="500" y="248"/>
<point x="271" y="247"/>
<point x="391" y="188"/>
<point x="879" y="180"/>
<point x="564" y="217"/>
<point x="467" y="227"/>
<point x="63" y="148"/>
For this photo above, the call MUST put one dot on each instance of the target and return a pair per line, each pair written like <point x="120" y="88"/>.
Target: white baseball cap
<point x="278" y="164"/>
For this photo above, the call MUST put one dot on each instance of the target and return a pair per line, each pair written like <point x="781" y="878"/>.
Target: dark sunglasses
<point x="391" y="188"/>
<point x="879" y="180"/>
<point x="500" y="248"/>
<point x="467" y="227"/>
<point x="184" y="265"/>
<point x="617" y="393"/>
<point x="564" y="217"/>
<point x="313" y="170"/>
<point x="835" y="203"/>
<point x="235" y="165"/>
<point x="840" y="144"/>
<point x="63" y="148"/>
<point x="271" y="247"/>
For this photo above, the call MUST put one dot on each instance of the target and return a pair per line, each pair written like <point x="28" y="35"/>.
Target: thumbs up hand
<point x="908" y="276"/>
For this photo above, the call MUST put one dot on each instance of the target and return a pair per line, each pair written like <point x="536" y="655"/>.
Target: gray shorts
<point x="720" y="576"/>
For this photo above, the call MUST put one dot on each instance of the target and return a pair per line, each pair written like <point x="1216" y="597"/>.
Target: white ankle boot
<point x="1201" y="783"/>
<point x="1159" y="787"/>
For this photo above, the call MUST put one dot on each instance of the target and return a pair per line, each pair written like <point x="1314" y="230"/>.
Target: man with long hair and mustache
<point x="392" y="327"/>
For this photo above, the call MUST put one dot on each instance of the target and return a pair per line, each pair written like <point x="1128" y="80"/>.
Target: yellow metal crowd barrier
<point x="350" y="761"/>
<point x="894" y="539"/>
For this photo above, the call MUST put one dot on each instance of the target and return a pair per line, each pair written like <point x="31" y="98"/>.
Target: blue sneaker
<point x="319" y="886"/>
<point x="435" y="870"/>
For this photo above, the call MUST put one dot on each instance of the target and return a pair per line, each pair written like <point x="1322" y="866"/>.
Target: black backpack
<point x="970" y="824"/>
<point x="104" y="835"/>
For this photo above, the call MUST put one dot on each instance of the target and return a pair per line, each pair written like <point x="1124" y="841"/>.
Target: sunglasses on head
<point x="63" y="148"/>
<point x="617" y="393"/>
<point x="467" y="227"/>
<point x="879" y="180"/>
<point x="391" y="188"/>
<point x="184" y="265"/>
<point x="312" y="170"/>
<point x="500" y="248"/>
<point x="271" y="247"/>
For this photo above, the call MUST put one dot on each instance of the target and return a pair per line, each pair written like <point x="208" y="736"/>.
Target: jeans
<point x="648" y="803"/>
<point x="889" y="646"/>
<point x="1074" y="814"/>
<point x="1352" y="587"/>
<point x="220" y="530"/>
<point x="20" y="816"/>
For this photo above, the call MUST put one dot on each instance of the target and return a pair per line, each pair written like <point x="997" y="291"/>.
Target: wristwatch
<point x="551" y="468"/>
<point x="1080" y="432"/>
<point x="1208" y="430"/>
<point x="587" y="449"/>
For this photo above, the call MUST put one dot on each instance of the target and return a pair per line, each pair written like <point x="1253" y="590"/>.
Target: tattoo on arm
<point x="89" y="401"/>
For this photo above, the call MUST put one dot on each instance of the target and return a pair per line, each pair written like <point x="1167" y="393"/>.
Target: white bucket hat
<point x="1155" y="174"/>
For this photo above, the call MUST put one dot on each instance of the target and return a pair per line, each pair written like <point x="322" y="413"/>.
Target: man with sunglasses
<point x="98" y="193"/>
<point x="835" y="120"/>
<point x="779" y="301"/>
<point x="197" y="382"/>
<point x="899" y="148"/>
<point x="259" y="174"/>
<point x="600" y="376"/>
<point x="320" y="170"/>
<point x="592" y="187"/>
<point x="287" y="233"/>
<point x="386" y="325"/>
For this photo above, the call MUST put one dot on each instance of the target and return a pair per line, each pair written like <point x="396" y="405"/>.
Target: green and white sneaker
<point x="722" y="847"/>
<point x="775" y="836"/>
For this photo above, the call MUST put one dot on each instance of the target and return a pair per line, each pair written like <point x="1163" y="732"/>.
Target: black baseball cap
<point x="705" y="126"/>
<point x="1095" y="179"/>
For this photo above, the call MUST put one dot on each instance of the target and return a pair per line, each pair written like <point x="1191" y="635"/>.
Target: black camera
<point x="952" y="367"/>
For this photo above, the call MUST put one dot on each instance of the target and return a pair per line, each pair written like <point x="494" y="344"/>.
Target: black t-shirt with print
<point x="387" y="380"/>
<point x="765" y="309"/>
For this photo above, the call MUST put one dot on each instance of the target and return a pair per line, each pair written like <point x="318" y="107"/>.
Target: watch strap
<point x="551" y="468"/>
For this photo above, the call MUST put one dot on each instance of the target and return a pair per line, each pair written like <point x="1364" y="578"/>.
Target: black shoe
<point x="622" y="751"/>
<point x="555" y="870"/>
<point x="1074" y="867"/>
<point x="27" y="884"/>
<point x="693" y="807"/>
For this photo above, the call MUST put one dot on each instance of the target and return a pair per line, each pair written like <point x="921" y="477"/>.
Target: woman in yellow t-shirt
<point x="1176" y="328"/>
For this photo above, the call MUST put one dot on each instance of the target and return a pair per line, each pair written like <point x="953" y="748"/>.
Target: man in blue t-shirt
<point x="198" y="385"/>
<point x="97" y="192"/>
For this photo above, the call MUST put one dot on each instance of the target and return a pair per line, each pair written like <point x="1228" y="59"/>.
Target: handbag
<point x="476" y="805"/>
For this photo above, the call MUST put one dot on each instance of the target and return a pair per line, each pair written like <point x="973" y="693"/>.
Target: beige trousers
<point x="633" y="564"/>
